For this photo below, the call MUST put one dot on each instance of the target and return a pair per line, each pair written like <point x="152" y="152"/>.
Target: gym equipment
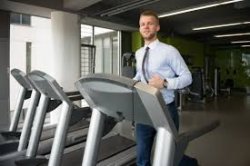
<point x="182" y="92"/>
<point x="218" y="88"/>
<point x="197" y="85"/>
<point x="12" y="145"/>
<point x="128" y="65"/>
<point x="45" y="143"/>
<point x="24" y="94"/>
<point x="49" y="89"/>
<point x="200" y="90"/>
<point x="11" y="142"/>
<point x="130" y="100"/>
<point x="46" y="89"/>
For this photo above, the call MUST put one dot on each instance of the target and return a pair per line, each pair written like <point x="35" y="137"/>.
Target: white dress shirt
<point x="164" y="60"/>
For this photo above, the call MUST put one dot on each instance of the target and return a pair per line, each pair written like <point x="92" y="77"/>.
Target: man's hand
<point x="156" y="81"/>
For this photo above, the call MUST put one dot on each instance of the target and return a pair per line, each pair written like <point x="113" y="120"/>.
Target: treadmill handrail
<point x="136" y="88"/>
<point x="40" y="78"/>
<point x="49" y="88"/>
<point x="102" y="88"/>
<point x="21" y="78"/>
<point x="169" y="147"/>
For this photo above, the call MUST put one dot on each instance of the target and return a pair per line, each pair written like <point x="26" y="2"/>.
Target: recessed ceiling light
<point x="240" y="41"/>
<point x="245" y="45"/>
<point x="221" y="25"/>
<point x="126" y="7"/>
<point x="233" y="34"/>
<point x="199" y="7"/>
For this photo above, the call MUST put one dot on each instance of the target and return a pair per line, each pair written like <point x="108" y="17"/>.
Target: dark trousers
<point x="145" y="137"/>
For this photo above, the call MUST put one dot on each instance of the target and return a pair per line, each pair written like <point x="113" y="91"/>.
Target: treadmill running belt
<point x="112" y="146"/>
<point x="108" y="148"/>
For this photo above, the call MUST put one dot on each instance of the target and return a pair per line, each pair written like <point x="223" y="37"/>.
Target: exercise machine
<point x="11" y="141"/>
<point x="24" y="93"/>
<point x="134" y="101"/>
<point x="128" y="65"/>
<point x="17" y="149"/>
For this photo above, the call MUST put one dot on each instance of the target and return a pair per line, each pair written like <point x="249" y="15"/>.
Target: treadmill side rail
<point x="93" y="138"/>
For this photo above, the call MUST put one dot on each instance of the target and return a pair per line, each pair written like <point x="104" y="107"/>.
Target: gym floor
<point x="227" y="145"/>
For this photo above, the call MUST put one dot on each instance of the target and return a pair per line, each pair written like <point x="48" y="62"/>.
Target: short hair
<point x="150" y="13"/>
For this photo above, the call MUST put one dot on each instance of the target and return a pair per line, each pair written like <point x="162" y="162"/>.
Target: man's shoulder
<point x="167" y="46"/>
<point x="139" y="50"/>
<point x="168" y="49"/>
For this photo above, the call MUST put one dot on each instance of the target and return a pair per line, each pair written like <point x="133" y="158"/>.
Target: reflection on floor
<point x="229" y="144"/>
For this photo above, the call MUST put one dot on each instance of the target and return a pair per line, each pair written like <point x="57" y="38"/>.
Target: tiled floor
<point x="229" y="144"/>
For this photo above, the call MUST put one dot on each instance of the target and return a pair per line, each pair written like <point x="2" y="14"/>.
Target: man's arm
<point x="184" y="76"/>
<point x="179" y="67"/>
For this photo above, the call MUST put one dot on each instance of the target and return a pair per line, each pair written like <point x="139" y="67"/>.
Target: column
<point x="4" y="69"/>
<point x="66" y="51"/>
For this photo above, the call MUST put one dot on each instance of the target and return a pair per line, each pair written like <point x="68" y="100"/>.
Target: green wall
<point x="228" y="60"/>
<point x="192" y="49"/>
<point x="137" y="41"/>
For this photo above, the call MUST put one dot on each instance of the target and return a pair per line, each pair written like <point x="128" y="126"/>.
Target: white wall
<point x="57" y="54"/>
<point x="39" y="34"/>
<point x="41" y="45"/>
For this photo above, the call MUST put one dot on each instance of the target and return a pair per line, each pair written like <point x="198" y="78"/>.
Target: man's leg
<point x="174" y="114"/>
<point x="186" y="160"/>
<point x="144" y="138"/>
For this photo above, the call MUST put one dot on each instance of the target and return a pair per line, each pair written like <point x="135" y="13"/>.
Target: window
<point x="22" y="19"/>
<point x="106" y="49"/>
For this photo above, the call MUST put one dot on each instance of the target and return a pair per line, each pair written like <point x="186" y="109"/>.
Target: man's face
<point x="148" y="27"/>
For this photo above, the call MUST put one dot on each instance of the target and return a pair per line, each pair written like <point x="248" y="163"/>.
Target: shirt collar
<point x="152" y="45"/>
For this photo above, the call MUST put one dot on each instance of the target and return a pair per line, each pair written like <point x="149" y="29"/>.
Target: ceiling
<point x="178" y="25"/>
<point x="181" y="25"/>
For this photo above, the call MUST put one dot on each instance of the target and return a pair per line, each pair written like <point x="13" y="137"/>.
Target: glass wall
<point x="106" y="49"/>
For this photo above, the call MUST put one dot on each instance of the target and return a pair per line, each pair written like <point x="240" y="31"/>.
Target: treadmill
<point x="123" y="98"/>
<point x="49" y="89"/>
<point x="78" y="124"/>
<point x="10" y="139"/>
<point x="126" y="96"/>
<point x="24" y="94"/>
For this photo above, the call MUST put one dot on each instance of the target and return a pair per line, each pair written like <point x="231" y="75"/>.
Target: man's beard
<point x="150" y="37"/>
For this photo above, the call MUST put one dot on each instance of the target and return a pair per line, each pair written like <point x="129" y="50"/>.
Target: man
<point x="161" y="66"/>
